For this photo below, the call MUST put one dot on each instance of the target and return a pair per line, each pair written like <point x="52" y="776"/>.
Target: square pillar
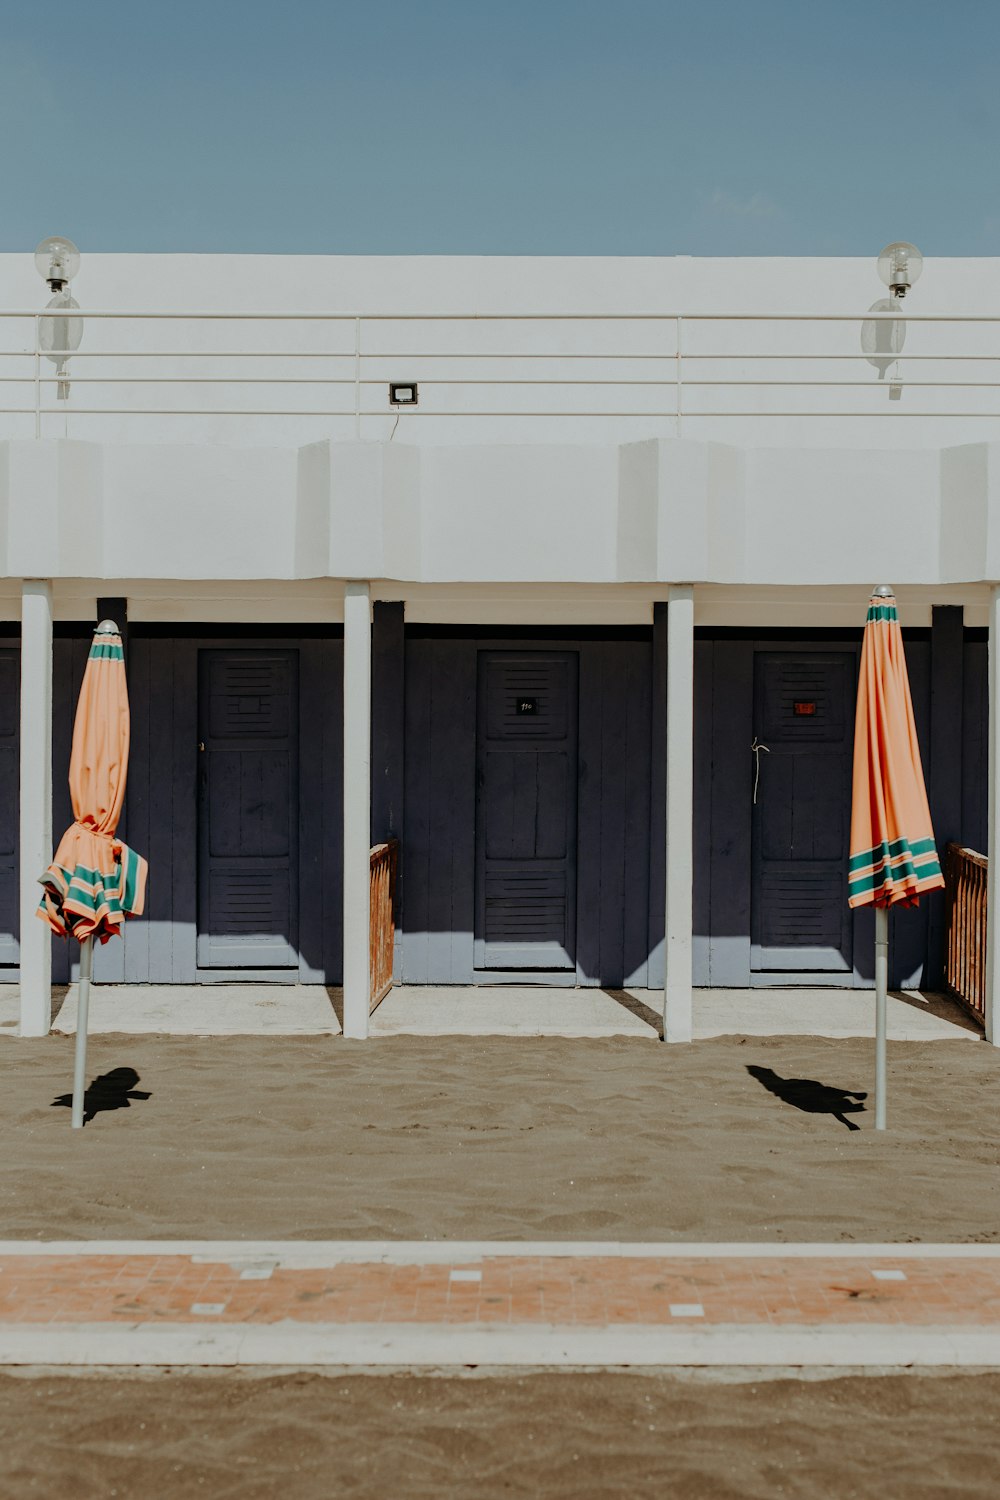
<point x="36" y="803"/>
<point x="357" y="806"/>
<point x="993" y="842"/>
<point x="677" y="996"/>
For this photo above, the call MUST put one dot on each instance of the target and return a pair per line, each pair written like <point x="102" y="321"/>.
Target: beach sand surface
<point x="502" y="1138"/>
<point x="585" y="1436"/>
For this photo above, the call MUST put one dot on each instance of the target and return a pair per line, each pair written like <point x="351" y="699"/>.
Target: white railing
<point x="329" y="373"/>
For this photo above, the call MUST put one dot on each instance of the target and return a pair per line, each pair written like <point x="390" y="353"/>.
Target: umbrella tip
<point x="107" y="627"/>
<point x="882" y="592"/>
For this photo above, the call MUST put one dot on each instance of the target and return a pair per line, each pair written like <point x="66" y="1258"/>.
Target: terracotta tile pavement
<point x="579" y="1291"/>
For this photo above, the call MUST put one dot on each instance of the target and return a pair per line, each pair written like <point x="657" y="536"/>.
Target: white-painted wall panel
<point x="572" y="514"/>
<point x="527" y="513"/>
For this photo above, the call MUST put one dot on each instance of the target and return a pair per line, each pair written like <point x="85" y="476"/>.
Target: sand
<point x="579" y="1436"/>
<point x="510" y="1138"/>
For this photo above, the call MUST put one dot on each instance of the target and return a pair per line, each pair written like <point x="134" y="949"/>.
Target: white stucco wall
<point x="430" y="501"/>
<point x="652" y="513"/>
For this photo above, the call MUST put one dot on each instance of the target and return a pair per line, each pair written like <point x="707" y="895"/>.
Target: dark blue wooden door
<point x="526" y="810"/>
<point x="9" y="808"/>
<point x="804" y="716"/>
<point x="248" y="809"/>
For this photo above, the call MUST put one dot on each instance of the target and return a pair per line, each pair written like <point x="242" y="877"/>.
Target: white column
<point x="993" y="841"/>
<point x="677" y="1021"/>
<point x="357" y="805"/>
<point x="36" y="802"/>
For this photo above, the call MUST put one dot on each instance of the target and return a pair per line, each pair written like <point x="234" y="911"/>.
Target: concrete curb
<point x="322" y="1253"/>
<point x="431" y="1345"/>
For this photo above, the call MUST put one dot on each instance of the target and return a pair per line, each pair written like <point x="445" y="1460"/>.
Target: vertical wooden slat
<point x="980" y="923"/>
<point x="965" y="927"/>
<point x="384" y="869"/>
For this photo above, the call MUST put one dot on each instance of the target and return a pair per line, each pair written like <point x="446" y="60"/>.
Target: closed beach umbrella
<point x="95" y="881"/>
<point x="893" y="857"/>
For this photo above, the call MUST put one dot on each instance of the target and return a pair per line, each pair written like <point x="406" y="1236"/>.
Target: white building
<point x="626" y="534"/>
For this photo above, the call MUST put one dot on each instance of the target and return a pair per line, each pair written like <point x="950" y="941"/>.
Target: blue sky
<point x="766" y="127"/>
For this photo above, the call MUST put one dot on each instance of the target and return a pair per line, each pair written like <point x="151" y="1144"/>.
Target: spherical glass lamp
<point x="899" y="266"/>
<point x="57" y="261"/>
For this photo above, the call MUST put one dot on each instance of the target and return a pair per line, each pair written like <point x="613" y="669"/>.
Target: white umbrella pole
<point x="881" y="993"/>
<point x="82" y="1007"/>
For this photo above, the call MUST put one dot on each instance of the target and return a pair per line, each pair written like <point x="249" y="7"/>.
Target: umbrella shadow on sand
<point x="812" y="1097"/>
<point x="114" y="1090"/>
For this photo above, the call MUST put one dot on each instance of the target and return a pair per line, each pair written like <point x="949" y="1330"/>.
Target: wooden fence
<point x="965" y="927"/>
<point x="384" y="863"/>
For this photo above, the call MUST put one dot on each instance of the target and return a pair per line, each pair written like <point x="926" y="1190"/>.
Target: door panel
<point x="801" y="820"/>
<point x="526" y="778"/>
<point x="9" y="811"/>
<point x="248" y="809"/>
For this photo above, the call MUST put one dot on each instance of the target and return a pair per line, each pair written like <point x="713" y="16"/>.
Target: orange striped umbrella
<point x="96" y="881"/>
<point x="893" y="856"/>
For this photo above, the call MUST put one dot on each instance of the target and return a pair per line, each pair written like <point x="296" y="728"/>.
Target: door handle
<point x="201" y="746"/>
<point x="756" y="748"/>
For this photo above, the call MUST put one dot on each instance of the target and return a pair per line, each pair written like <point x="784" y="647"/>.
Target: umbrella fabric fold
<point x="95" y="881"/>
<point x="893" y="856"/>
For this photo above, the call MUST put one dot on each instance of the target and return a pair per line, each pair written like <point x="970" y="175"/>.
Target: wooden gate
<point x="966" y="874"/>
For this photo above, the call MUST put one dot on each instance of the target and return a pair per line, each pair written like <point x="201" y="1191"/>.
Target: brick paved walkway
<point x="502" y="1289"/>
<point x="261" y="1287"/>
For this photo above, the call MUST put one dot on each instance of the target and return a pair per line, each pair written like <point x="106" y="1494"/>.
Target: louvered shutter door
<point x="526" y="811"/>
<point x="803" y="713"/>
<point x="248" y="810"/>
